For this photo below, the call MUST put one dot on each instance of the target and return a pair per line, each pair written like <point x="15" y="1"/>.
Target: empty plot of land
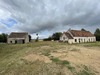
<point x="50" y="58"/>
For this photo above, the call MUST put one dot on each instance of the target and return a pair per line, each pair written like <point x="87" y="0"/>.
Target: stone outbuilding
<point x="18" y="38"/>
<point x="77" y="36"/>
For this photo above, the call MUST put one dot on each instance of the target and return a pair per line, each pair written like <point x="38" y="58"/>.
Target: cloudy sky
<point x="48" y="16"/>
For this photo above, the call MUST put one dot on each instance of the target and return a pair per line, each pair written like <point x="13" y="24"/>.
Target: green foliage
<point x="47" y="39"/>
<point x="62" y="62"/>
<point x="84" y="72"/>
<point x="56" y="36"/>
<point x="65" y="62"/>
<point x="70" y="68"/>
<point x="97" y="34"/>
<point x="83" y="29"/>
<point x="56" y="60"/>
<point x="29" y="37"/>
<point x="3" y="37"/>
<point x="47" y="54"/>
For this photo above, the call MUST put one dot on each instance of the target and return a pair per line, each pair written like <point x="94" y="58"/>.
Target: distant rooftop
<point x="18" y="35"/>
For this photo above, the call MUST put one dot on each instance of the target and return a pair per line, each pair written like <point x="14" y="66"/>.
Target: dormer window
<point x="64" y="38"/>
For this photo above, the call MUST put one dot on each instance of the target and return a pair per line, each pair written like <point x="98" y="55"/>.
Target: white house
<point x="77" y="36"/>
<point x="18" y="38"/>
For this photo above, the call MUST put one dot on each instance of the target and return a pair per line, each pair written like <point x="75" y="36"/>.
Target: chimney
<point x="69" y="29"/>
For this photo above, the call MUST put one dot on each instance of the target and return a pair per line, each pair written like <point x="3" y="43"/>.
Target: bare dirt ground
<point x="76" y="55"/>
<point x="34" y="57"/>
<point x="81" y="55"/>
<point x="50" y="58"/>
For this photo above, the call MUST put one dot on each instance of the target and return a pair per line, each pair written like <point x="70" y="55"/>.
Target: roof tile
<point x="77" y="33"/>
<point x="18" y="35"/>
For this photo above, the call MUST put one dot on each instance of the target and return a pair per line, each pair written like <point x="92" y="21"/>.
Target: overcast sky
<point x="48" y="16"/>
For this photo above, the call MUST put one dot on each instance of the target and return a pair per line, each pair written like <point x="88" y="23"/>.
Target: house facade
<point x="18" y="38"/>
<point x="76" y="36"/>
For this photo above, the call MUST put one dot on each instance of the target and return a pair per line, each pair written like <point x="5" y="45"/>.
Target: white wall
<point x="13" y="40"/>
<point x="62" y="38"/>
<point x="71" y="41"/>
<point x="27" y="39"/>
<point x="66" y="39"/>
<point x="82" y="39"/>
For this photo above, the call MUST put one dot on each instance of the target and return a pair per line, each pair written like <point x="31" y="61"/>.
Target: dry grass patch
<point x="50" y="58"/>
<point x="35" y="57"/>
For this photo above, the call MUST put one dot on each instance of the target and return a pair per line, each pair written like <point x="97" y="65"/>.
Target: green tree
<point x="83" y="29"/>
<point x="47" y="39"/>
<point x="29" y="38"/>
<point x="3" y="37"/>
<point x="56" y="36"/>
<point x="97" y="34"/>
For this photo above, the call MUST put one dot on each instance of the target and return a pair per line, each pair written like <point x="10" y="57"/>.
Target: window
<point x="75" y="40"/>
<point x="89" y="40"/>
<point x="79" y="41"/>
<point x="64" y="38"/>
<point x="15" y="41"/>
<point x="82" y="40"/>
<point x="10" y="41"/>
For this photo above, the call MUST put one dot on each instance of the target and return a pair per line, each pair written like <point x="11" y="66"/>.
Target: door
<point x="23" y="41"/>
<point x="15" y="41"/>
<point x="79" y="41"/>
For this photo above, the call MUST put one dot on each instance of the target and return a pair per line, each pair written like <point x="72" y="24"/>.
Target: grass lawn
<point x="50" y="58"/>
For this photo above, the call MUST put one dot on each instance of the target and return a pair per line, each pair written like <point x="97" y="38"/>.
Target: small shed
<point x="18" y="38"/>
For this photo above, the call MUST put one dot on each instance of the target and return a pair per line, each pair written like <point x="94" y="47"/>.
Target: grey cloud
<point x="39" y="15"/>
<point x="3" y="27"/>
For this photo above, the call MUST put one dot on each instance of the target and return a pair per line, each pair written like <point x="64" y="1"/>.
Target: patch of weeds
<point x="86" y="68"/>
<point x="62" y="62"/>
<point x="84" y="72"/>
<point x="47" y="69"/>
<point x="51" y="56"/>
<point x="47" y="54"/>
<point x="65" y="62"/>
<point x="56" y="60"/>
<point x="70" y="68"/>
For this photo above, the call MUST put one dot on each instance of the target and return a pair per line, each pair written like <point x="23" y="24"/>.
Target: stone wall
<point x="19" y="40"/>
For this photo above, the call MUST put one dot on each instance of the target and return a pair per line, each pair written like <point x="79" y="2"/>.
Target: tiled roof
<point x="77" y="33"/>
<point x="18" y="35"/>
<point x="68" y="35"/>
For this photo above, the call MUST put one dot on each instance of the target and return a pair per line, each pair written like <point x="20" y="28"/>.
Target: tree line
<point x="55" y="36"/>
